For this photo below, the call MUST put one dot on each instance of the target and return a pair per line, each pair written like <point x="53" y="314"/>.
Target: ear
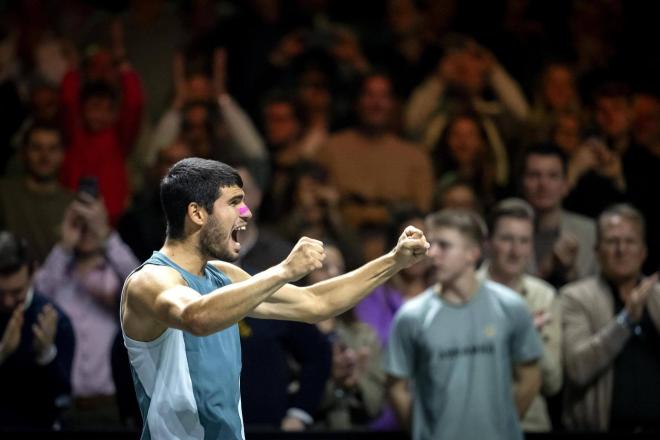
<point x="475" y="253"/>
<point x="197" y="214"/>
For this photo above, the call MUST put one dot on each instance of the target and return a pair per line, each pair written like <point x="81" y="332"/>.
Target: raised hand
<point x="636" y="300"/>
<point x="44" y="330"/>
<point x="541" y="318"/>
<point x="411" y="247"/>
<point x="565" y="251"/>
<point x="71" y="229"/>
<point x="94" y="214"/>
<point x="306" y="256"/>
<point x="12" y="335"/>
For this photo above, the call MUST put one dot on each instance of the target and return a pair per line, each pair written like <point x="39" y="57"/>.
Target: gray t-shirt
<point x="459" y="359"/>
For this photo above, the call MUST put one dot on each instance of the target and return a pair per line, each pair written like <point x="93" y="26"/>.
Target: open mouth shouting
<point x="235" y="236"/>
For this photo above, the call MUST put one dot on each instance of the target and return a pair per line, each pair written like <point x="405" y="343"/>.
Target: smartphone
<point x="89" y="185"/>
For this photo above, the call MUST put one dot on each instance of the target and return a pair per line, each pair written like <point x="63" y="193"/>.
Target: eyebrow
<point x="236" y="198"/>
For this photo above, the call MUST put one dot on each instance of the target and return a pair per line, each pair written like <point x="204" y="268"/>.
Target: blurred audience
<point x="36" y="346"/>
<point x="464" y="155"/>
<point x="563" y="241"/>
<point x="32" y="206"/>
<point x="373" y="168"/>
<point x="101" y="112"/>
<point x="142" y="227"/>
<point x="83" y="275"/>
<point x="355" y="392"/>
<point x="290" y="394"/>
<point x="611" y="325"/>
<point x="464" y="79"/>
<point x="510" y="248"/>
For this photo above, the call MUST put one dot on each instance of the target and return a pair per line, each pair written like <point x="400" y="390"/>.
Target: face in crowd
<point x="511" y="245"/>
<point x="544" y="182"/>
<point x="376" y="103"/>
<point x="621" y="249"/>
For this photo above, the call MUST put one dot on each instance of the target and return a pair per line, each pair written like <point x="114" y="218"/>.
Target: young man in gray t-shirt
<point x="461" y="344"/>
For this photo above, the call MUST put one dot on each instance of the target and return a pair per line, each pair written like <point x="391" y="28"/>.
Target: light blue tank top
<point x="189" y="386"/>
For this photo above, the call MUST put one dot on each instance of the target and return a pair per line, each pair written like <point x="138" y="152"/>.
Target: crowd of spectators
<point x="347" y="121"/>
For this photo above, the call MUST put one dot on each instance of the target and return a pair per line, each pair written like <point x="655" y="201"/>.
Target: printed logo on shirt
<point x="490" y="331"/>
<point x="470" y="350"/>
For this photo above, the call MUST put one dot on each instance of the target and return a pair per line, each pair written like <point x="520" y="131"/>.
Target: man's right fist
<point x="307" y="255"/>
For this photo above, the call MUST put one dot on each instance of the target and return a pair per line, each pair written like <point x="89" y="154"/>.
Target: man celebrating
<point x="179" y="309"/>
<point x="458" y="343"/>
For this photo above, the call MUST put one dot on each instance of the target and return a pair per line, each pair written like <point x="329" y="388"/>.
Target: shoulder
<point x="581" y="289"/>
<point x="233" y="272"/>
<point x="414" y="309"/>
<point x="152" y="278"/>
<point x="503" y="295"/>
<point x="540" y="289"/>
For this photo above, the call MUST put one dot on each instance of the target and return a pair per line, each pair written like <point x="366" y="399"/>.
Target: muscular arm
<point x="527" y="385"/>
<point x="399" y="395"/>
<point x="336" y="295"/>
<point x="155" y="297"/>
<point x="327" y="298"/>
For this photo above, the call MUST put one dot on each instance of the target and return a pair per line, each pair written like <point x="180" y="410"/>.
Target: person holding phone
<point x="83" y="275"/>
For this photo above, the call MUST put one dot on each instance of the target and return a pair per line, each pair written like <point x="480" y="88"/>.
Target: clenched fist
<point x="411" y="247"/>
<point x="307" y="255"/>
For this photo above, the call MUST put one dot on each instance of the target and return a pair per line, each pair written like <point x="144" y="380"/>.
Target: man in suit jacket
<point x="36" y="345"/>
<point x="611" y="327"/>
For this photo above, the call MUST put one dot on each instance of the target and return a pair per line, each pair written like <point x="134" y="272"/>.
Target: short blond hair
<point x="468" y="223"/>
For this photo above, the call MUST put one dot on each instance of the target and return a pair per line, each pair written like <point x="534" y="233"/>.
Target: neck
<point x="319" y="119"/>
<point x="510" y="281"/>
<point x="460" y="290"/>
<point x="40" y="186"/>
<point x="186" y="254"/>
<point x="624" y="286"/>
<point x="549" y="219"/>
<point x="373" y="132"/>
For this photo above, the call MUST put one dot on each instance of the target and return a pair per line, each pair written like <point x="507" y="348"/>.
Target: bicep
<point x="157" y="295"/>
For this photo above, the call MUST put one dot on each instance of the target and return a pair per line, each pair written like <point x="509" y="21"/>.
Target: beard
<point x="212" y="242"/>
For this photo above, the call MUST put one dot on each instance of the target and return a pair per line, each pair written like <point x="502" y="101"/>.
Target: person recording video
<point x="83" y="275"/>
